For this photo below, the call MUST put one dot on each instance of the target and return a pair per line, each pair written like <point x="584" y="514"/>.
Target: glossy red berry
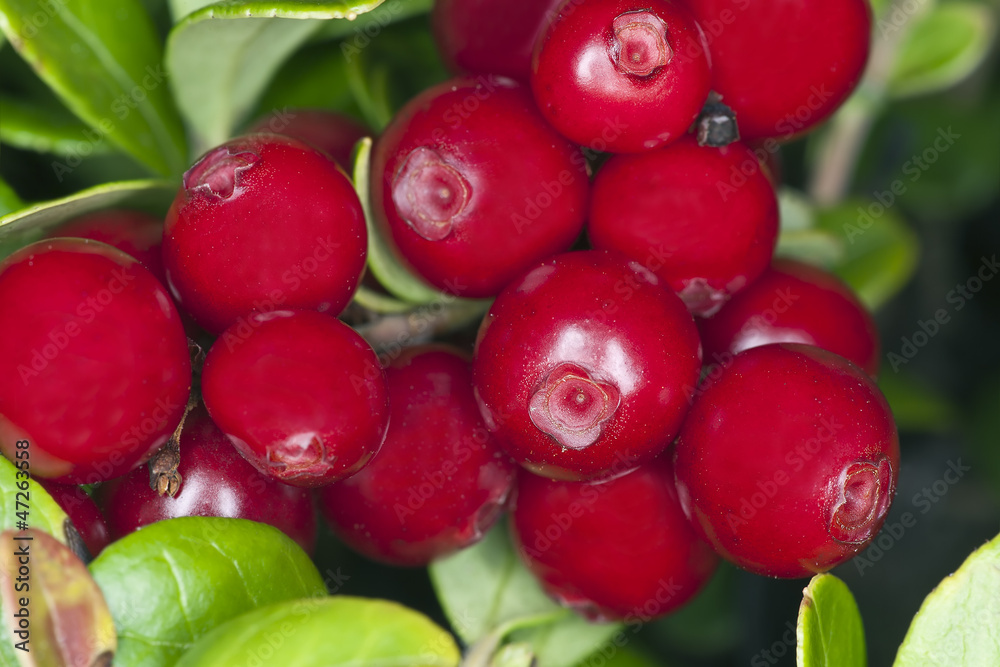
<point x="263" y="222"/>
<point x="788" y="460"/>
<point x="333" y="133"/>
<point x="490" y="36"/>
<point x="473" y="187"/>
<point x="784" y="66"/>
<point x="438" y="483"/>
<point x="95" y="371"/>
<point x="705" y="220"/>
<point x="133" y="232"/>
<point x="794" y="302"/>
<point x="618" y="550"/>
<point x="621" y="75"/>
<point x="82" y="512"/>
<point x="215" y="481"/>
<point x="581" y="364"/>
<point x="300" y="394"/>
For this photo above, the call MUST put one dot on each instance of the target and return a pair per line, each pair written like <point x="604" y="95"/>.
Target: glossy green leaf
<point x="46" y="129"/>
<point x="570" y="639"/>
<point x="43" y="512"/>
<point x="29" y="224"/>
<point x="486" y="586"/>
<point x="9" y="201"/>
<point x="246" y="43"/>
<point x="315" y="77"/>
<point x="103" y="59"/>
<point x="381" y="262"/>
<point x="942" y="48"/>
<point x="623" y="657"/>
<point x="514" y="655"/>
<point x="172" y="582"/>
<point x="959" y="622"/>
<point x="829" y="631"/>
<point x="328" y="632"/>
<point x="369" y="25"/>
<point x="864" y="243"/>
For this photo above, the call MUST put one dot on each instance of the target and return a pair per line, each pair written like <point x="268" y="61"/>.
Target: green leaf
<point x="315" y="77"/>
<point x="829" y="631"/>
<point x="103" y="60"/>
<point x="174" y="581"/>
<point x="357" y="35"/>
<point x="45" y="129"/>
<point x="942" y="48"/>
<point x="43" y="512"/>
<point x="486" y="586"/>
<point x="26" y="225"/>
<point x="9" y="201"/>
<point x="488" y="595"/>
<point x="624" y="657"/>
<point x="569" y="640"/>
<point x="381" y="262"/>
<point x="246" y="43"/>
<point x="328" y="632"/>
<point x="864" y="243"/>
<point x="959" y="622"/>
<point x="514" y="655"/>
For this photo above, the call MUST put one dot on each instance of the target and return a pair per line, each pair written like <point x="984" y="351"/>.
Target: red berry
<point x="680" y="212"/>
<point x="784" y="66"/>
<point x="132" y="232"/>
<point x="438" y="483"/>
<point x="263" y="222"/>
<point x="473" y="187"/>
<point x="215" y="481"/>
<point x="621" y="549"/>
<point x="788" y="461"/>
<point x="491" y="36"/>
<point x="333" y="133"/>
<point x="82" y="512"/>
<point x="300" y="394"/>
<point x="621" y="75"/>
<point x="794" y="303"/>
<point x="95" y="367"/>
<point x="581" y="365"/>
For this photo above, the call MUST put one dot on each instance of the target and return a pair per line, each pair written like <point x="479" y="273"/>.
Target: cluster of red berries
<point x="670" y="394"/>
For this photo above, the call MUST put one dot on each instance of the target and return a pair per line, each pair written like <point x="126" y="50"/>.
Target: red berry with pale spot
<point x="215" y="481"/>
<point x="473" y="187"/>
<point x="621" y="549"/>
<point x="704" y="219"/>
<point x="582" y="366"/>
<point x="263" y="222"/>
<point x="787" y="463"/>
<point x="621" y="75"/>
<point x="300" y="394"/>
<point x="438" y="483"/>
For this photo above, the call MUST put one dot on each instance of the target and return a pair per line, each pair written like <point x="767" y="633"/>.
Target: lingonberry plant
<point x="510" y="296"/>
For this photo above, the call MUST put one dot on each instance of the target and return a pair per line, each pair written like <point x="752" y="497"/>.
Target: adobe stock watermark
<point x="924" y="500"/>
<point x="292" y="279"/>
<point x="756" y="326"/>
<point x="795" y="461"/>
<point x="60" y="337"/>
<point x="777" y="650"/>
<point x="957" y="298"/>
<point x="122" y="106"/>
<point x="898" y="16"/>
<point x="913" y="169"/>
<point x="36" y="21"/>
<point x="370" y="25"/>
